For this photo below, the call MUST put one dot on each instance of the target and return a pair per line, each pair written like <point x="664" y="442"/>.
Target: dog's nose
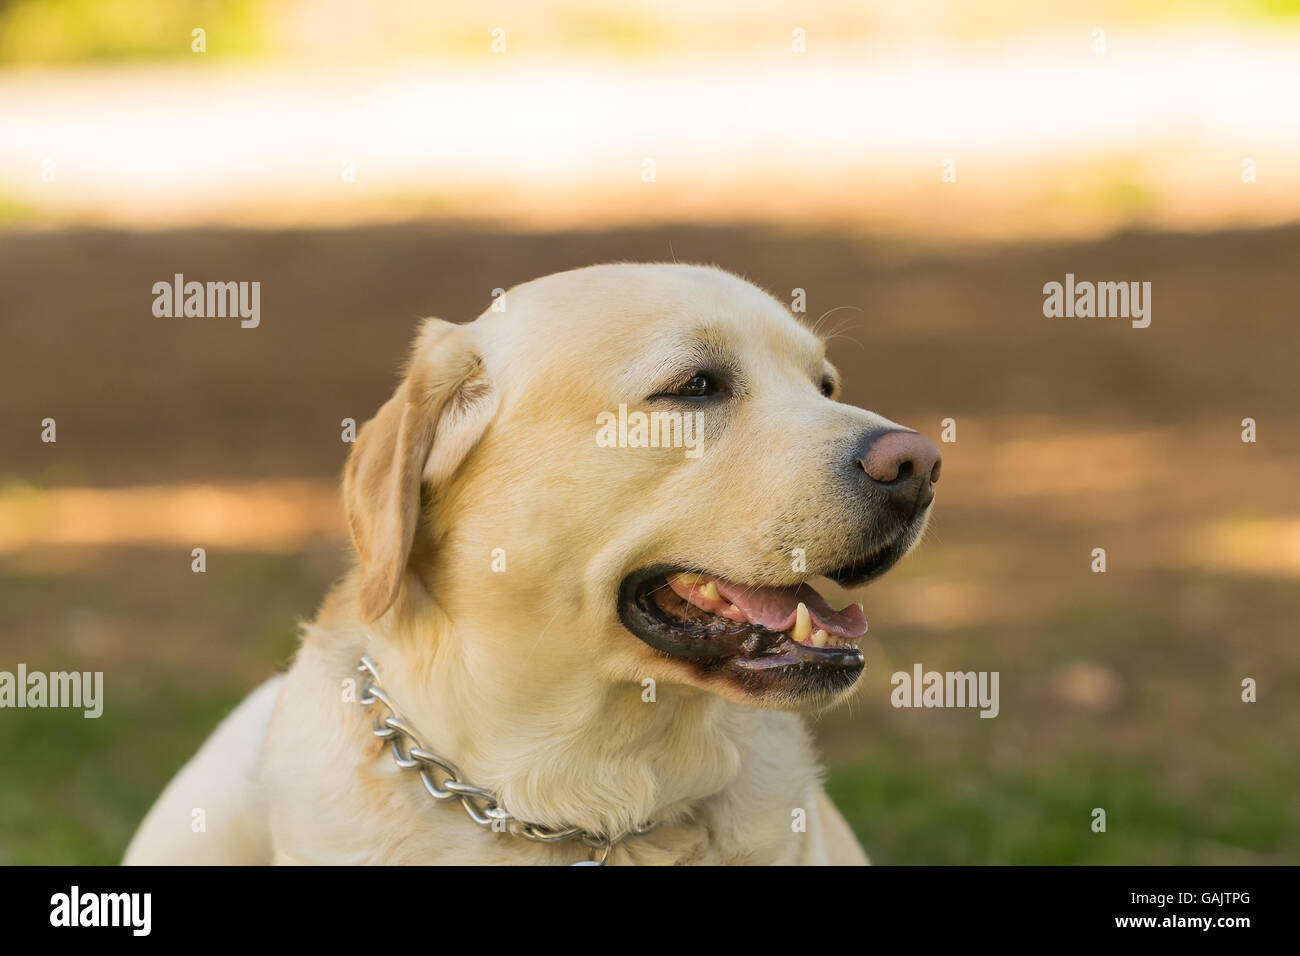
<point x="903" y="465"/>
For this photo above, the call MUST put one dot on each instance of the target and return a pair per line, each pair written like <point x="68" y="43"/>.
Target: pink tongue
<point x="773" y="608"/>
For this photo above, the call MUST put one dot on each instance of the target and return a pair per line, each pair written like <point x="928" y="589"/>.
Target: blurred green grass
<point x="178" y="650"/>
<point x="1186" y="772"/>
<point x="89" y="31"/>
<point x="911" y="813"/>
<point x="85" y="784"/>
<point x="1188" y="777"/>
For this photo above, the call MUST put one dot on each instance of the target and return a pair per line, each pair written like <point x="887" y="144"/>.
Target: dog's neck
<point x="572" y="751"/>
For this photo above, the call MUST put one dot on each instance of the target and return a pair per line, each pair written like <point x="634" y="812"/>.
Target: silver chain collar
<point x="482" y="806"/>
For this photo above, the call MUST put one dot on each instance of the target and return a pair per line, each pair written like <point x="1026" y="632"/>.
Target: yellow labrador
<point x="584" y="527"/>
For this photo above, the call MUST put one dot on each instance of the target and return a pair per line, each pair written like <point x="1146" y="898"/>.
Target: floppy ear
<point x="420" y="436"/>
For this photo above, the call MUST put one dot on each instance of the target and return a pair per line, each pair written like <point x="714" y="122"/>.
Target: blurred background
<point x="920" y="170"/>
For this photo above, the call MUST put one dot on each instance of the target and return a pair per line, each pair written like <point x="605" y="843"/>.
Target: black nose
<point x="903" y="465"/>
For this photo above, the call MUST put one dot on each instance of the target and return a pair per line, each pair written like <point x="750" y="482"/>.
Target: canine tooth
<point x="690" y="578"/>
<point x="802" y="624"/>
<point x="733" y="609"/>
<point x="819" y="638"/>
<point x="710" y="591"/>
<point x="858" y="605"/>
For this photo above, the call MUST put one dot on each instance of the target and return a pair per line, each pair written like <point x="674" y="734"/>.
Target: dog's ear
<point x="419" y="437"/>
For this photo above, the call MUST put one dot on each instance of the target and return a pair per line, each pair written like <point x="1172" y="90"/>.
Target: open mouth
<point x="766" y="638"/>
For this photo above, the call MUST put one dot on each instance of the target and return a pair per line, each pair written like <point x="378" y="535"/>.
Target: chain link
<point x="443" y="780"/>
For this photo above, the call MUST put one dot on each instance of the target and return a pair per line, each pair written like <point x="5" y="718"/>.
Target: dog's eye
<point x="698" y="385"/>
<point x="828" y="386"/>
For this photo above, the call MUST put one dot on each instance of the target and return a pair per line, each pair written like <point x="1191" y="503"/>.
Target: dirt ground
<point x="1119" y="690"/>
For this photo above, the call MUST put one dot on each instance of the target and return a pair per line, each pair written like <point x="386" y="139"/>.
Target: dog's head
<point x="629" y="472"/>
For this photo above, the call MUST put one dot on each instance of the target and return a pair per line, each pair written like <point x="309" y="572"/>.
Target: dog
<point x="563" y="641"/>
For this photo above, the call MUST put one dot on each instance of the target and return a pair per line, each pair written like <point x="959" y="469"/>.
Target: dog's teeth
<point x="858" y="605"/>
<point x="710" y="591"/>
<point x="819" y="638"/>
<point x="690" y="579"/>
<point x="802" y="624"/>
